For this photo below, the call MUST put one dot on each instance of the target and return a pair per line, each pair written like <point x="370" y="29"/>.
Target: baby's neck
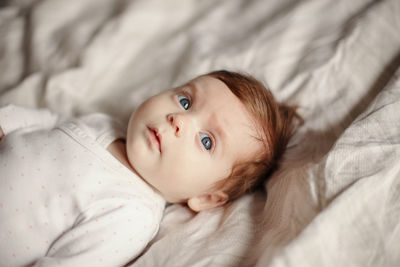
<point x="118" y="150"/>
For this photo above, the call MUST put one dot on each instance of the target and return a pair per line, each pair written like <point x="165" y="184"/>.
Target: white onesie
<point x="64" y="199"/>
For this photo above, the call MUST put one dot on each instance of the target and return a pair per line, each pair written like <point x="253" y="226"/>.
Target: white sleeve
<point x="15" y="117"/>
<point x="113" y="238"/>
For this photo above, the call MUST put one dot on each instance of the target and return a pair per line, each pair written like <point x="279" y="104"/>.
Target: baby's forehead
<point x="218" y="98"/>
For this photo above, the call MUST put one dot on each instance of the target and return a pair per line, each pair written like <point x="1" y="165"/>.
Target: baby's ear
<point x="207" y="201"/>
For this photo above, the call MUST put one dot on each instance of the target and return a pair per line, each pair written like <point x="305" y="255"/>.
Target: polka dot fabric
<point x="64" y="199"/>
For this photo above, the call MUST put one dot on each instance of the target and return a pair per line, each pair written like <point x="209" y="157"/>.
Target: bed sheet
<point x="334" y="200"/>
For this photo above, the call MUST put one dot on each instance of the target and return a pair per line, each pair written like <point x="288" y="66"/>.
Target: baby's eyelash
<point x="182" y="95"/>
<point x="184" y="102"/>
<point x="212" y="139"/>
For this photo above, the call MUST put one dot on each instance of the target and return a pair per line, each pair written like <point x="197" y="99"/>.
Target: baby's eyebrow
<point x="193" y="89"/>
<point x="220" y="131"/>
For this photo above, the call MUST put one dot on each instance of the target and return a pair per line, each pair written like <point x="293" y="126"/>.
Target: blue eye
<point x="185" y="102"/>
<point x="206" y="141"/>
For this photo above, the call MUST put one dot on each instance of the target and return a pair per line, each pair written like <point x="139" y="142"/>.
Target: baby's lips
<point x="157" y="135"/>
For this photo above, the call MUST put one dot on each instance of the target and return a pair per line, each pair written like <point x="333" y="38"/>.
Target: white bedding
<point x="335" y="201"/>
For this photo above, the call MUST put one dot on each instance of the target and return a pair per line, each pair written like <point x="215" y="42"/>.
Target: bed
<point x="334" y="201"/>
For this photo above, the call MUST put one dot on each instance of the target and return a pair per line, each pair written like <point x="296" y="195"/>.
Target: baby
<point x="87" y="192"/>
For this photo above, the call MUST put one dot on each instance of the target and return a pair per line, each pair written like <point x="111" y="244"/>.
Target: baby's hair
<point x="276" y="123"/>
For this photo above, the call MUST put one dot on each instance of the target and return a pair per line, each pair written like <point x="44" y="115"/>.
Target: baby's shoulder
<point x="99" y="122"/>
<point x="100" y="127"/>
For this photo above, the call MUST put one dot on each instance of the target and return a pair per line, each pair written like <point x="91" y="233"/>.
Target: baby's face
<point x="185" y="139"/>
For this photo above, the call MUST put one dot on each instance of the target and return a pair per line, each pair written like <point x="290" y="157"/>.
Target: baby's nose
<point x="177" y="121"/>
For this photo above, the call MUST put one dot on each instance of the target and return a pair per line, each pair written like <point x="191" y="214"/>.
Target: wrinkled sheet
<point x="335" y="201"/>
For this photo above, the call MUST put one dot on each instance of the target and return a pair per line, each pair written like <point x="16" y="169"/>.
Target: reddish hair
<point x="276" y="123"/>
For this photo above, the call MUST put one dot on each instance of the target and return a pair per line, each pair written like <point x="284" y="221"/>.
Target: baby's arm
<point x="15" y="117"/>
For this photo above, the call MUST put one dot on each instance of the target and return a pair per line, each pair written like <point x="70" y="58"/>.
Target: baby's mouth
<point x="157" y="136"/>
